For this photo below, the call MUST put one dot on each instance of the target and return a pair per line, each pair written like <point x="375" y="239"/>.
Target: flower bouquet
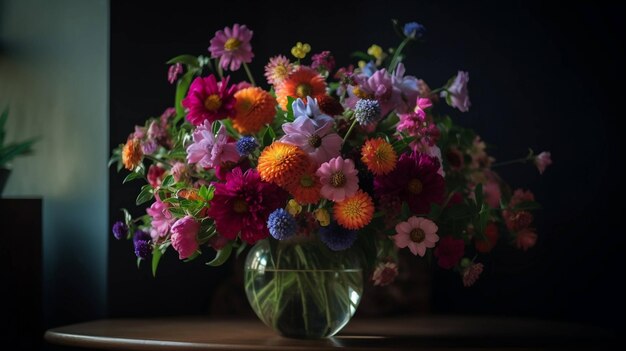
<point x="327" y="172"/>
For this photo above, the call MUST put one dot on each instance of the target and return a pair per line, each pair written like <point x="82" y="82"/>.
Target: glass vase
<point x="301" y="289"/>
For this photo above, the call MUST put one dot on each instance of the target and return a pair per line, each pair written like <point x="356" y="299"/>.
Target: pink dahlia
<point x="161" y="219"/>
<point x="243" y="204"/>
<point x="471" y="274"/>
<point x="232" y="47"/>
<point x="339" y="179"/>
<point x="415" y="180"/>
<point x="542" y="161"/>
<point x="278" y="69"/>
<point x="321" y="143"/>
<point x="183" y="238"/>
<point x="208" y="100"/>
<point x="385" y="273"/>
<point x="449" y="252"/>
<point x="525" y="239"/>
<point x="210" y="151"/>
<point x="417" y="233"/>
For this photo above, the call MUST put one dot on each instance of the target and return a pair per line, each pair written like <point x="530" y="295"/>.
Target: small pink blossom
<point x="339" y="179"/>
<point x="385" y="273"/>
<point x="542" y="161"/>
<point x="161" y="219"/>
<point x="184" y="233"/>
<point x="173" y="72"/>
<point x="208" y="150"/>
<point x="525" y="239"/>
<point x="471" y="274"/>
<point x="417" y="233"/>
<point x="180" y="172"/>
<point x="457" y="94"/>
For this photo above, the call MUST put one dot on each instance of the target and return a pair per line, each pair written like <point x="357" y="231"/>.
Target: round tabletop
<point x="193" y="333"/>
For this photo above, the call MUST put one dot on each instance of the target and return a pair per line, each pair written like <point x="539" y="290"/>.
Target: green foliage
<point x="10" y="151"/>
<point x="222" y="255"/>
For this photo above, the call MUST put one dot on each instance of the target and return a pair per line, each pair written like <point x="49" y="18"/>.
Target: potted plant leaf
<point x="10" y="151"/>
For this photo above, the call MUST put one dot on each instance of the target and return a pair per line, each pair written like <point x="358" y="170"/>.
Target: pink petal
<point x="401" y="240"/>
<point x="404" y="228"/>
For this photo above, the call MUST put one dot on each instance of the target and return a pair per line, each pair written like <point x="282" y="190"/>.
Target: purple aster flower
<point x="208" y="150"/>
<point x="246" y="145"/>
<point x="173" y="72"/>
<point x="415" y="180"/>
<point x="408" y="87"/>
<point x="380" y="87"/>
<point x="457" y="94"/>
<point x="320" y="142"/>
<point x="232" y="47"/>
<point x="281" y="224"/>
<point x="336" y="237"/>
<point x="120" y="230"/>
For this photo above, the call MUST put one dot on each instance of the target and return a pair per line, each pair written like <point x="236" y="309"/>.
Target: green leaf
<point x="478" y="192"/>
<point x="128" y="219"/>
<point x="228" y="124"/>
<point x="272" y="133"/>
<point x="139" y="262"/>
<point x="435" y="211"/>
<point x="188" y="60"/>
<point x="9" y="152"/>
<point x="181" y="91"/>
<point x="168" y="181"/>
<point x="241" y="248"/>
<point x="156" y="257"/>
<point x="222" y="255"/>
<point x="203" y="192"/>
<point x="132" y="176"/>
<point x="361" y="56"/>
<point x="267" y="137"/>
<point x="290" y="117"/>
<point x="146" y="194"/>
<point x="527" y="206"/>
<point x="195" y="255"/>
<point x="406" y="211"/>
<point x="177" y="212"/>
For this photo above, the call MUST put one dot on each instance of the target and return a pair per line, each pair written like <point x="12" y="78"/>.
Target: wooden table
<point x="373" y="334"/>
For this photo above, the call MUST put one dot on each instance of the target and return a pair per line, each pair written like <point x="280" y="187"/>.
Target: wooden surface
<point x="375" y="334"/>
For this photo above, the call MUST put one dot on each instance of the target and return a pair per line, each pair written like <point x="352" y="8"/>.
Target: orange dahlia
<point x="254" y="108"/>
<point x="131" y="154"/>
<point x="379" y="156"/>
<point x="354" y="212"/>
<point x="300" y="84"/>
<point x="282" y="163"/>
<point x="306" y="188"/>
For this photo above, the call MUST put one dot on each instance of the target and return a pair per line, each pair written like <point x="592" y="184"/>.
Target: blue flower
<point x="367" y="111"/>
<point x="120" y="230"/>
<point x="369" y="69"/>
<point x="281" y="224"/>
<point x="336" y="237"/>
<point x="414" y="30"/>
<point x="246" y="145"/>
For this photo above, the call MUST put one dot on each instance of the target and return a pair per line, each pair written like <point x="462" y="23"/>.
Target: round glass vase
<point x="301" y="289"/>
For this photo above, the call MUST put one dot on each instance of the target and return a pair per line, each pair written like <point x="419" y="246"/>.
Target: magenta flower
<point x="542" y="161"/>
<point x="173" y="72"/>
<point x="208" y="150"/>
<point x="457" y="94"/>
<point x="232" y="47"/>
<point x="417" y="233"/>
<point x="321" y="143"/>
<point x="243" y="204"/>
<point x="208" y="100"/>
<point x="415" y="180"/>
<point x="471" y="274"/>
<point x="161" y="219"/>
<point x="525" y="239"/>
<point x="183" y="238"/>
<point x="449" y="252"/>
<point x="339" y="179"/>
<point x="324" y="61"/>
<point x="408" y="87"/>
<point x="379" y="87"/>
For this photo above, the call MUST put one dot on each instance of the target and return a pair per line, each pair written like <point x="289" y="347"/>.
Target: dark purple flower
<point x="120" y="230"/>
<point x="336" y="237"/>
<point x="143" y="246"/>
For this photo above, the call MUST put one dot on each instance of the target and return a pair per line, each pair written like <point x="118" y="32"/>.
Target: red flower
<point x="209" y="100"/>
<point x="491" y="232"/>
<point x="155" y="175"/>
<point x="243" y="204"/>
<point x="449" y="252"/>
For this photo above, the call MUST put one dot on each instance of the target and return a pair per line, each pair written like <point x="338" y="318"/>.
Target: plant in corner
<point x="10" y="151"/>
<point x="326" y="172"/>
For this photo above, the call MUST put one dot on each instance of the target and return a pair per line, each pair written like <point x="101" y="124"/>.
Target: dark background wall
<point x="542" y="76"/>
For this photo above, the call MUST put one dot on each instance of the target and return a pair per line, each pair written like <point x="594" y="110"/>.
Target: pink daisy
<point x="278" y="69"/>
<point x="339" y="179"/>
<point x="210" y="151"/>
<point x="417" y="233"/>
<point x="209" y="100"/>
<point x="232" y="47"/>
<point x="321" y="143"/>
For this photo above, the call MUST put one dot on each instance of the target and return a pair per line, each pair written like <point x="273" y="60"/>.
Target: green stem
<point x="249" y="73"/>
<point x="305" y="310"/>
<point x="438" y="90"/>
<point x="349" y="131"/>
<point x="396" y="55"/>
<point x="154" y="159"/>
<point x="219" y="70"/>
<point x="506" y="163"/>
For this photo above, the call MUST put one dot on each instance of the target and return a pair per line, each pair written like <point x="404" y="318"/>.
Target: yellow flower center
<point x="360" y="93"/>
<point x="303" y="90"/>
<point x="213" y="102"/>
<point x="415" y="186"/>
<point x="338" y="179"/>
<point x="240" y="206"/>
<point x="232" y="44"/>
<point x="315" y="141"/>
<point x="306" y="181"/>
<point x="417" y="235"/>
<point x="281" y="72"/>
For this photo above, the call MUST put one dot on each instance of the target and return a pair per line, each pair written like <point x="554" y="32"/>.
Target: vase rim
<point x="346" y="270"/>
